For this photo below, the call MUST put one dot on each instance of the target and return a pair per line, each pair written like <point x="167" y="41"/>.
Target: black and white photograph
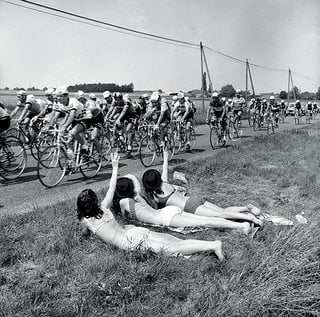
<point x="160" y="158"/>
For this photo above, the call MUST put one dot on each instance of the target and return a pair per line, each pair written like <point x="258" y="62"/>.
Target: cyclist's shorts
<point x="32" y="115"/>
<point x="275" y="111"/>
<point x="129" y="118"/>
<point x="4" y="124"/>
<point x="93" y="122"/>
<point x="237" y="112"/>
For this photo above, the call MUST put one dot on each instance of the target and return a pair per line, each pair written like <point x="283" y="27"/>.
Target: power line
<point x="98" y="26"/>
<point x="140" y="34"/>
<point x="110" y="24"/>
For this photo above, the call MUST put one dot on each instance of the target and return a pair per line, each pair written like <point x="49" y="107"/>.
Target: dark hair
<point x="152" y="182"/>
<point x="87" y="205"/>
<point x="124" y="189"/>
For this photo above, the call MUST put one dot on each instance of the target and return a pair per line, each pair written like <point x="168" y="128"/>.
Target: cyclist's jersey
<point x="315" y="106"/>
<point x="131" y="111"/>
<point x="36" y="106"/>
<point x="73" y="104"/>
<point x="264" y="107"/>
<point x="238" y="103"/>
<point x="216" y="108"/>
<point x="282" y="105"/>
<point x="309" y="107"/>
<point x="161" y="106"/>
<point x="108" y="104"/>
<point x="275" y="107"/>
<point x="3" y="111"/>
<point x="181" y="107"/>
<point x="92" y="109"/>
<point x="119" y="105"/>
<point x="298" y="105"/>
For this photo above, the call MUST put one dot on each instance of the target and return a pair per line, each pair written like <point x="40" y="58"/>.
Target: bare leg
<point x="190" y="220"/>
<point x="249" y="208"/>
<point x="171" y="245"/>
<point x="228" y="213"/>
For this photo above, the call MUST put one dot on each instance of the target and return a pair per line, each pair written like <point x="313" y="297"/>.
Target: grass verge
<point x="47" y="269"/>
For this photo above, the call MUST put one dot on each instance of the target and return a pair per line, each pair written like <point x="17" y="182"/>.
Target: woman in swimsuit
<point x="98" y="219"/>
<point x="157" y="187"/>
<point x="131" y="204"/>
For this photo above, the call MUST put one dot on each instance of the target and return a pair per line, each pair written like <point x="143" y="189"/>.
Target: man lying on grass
<point x="98" y="219"/>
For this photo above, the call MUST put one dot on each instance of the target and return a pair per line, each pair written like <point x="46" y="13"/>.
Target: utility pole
<point x="288" y="97"/>
<point x="246" y="94"/>
<point x="251" y="81"/>
<point x="202" y="88"/>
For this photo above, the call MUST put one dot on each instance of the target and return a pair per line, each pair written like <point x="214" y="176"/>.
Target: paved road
<point x="26" y="193"/>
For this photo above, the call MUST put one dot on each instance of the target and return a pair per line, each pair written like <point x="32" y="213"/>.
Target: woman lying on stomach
<point x="157" y="188"/>
<point x="98" y="219"/>
<point x="131" y="204"/>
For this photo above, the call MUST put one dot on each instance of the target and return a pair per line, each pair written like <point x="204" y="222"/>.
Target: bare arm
<point x="164" y="175"/>
<point x="107" y="201"/>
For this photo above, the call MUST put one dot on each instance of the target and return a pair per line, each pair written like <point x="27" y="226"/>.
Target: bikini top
<point x="164" y="199"/>
<point x="94" y="224"/>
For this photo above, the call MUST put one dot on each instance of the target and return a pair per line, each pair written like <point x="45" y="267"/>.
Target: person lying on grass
<point x="157" y="188"/>
<point x="98" y="219"/>
<point x="130" y="203"/>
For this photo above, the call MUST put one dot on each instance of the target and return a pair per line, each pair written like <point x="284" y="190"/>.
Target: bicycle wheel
<point x="234" y="134"/>
<point x="13" y="159"/>
<point x="270" y="127"/>
<point x="192" y="138"/>
<point x="214" y="138"/>
<point x="177" y="141"/>
<point x="106" y="149"/>
<point x="52" y="166"/>
<point x="147" y="151"/>
<point x="90" y="164"/>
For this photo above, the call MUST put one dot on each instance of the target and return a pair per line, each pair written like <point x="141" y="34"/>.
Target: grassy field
<point x="48" y="269"/>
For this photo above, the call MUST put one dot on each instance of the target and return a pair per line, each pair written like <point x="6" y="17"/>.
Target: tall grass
<point x="48" y="269"/>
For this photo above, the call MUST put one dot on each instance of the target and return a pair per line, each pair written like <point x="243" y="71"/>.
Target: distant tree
<point x="6" y="88"/>
<point x="99" y="87"/>
<point x="295" y="92"/>
<point x="44" y="88"/>
<point x="307" y="95"/>
<point x="227" y="91"/>
<point x="283" y="94"/>
<point x="318" y="94"/>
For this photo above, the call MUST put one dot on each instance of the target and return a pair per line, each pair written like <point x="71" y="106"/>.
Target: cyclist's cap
<point x="252" y="99"/>
<point x="223" y="98"/>
<point x="309" y="103"/>
<point x="214" y="95"/>
<point x="229" y="100"/>
<point x="106" y="94"/>
<point x="21" y="92"/>
<point x="126" y="97"/>
<point x="180" y="95"/>
<point x="154" y="97"/>
<point x="30" y="99"/>
<point x="264" y="100"/>
<point x="124" y="187"/>
<point x="297" y="101"/>
<point x="271" y="98"/>
<point x="145" y="96"/>
<point x="92" y="96"/>
<point x="238" y="91"/>
<point x="282" y="101"/>
<point x="61" y="91"/>
<point x="80" y="94"/>
<point x="151" y="179"/>
<point x="175" y="98"/>
<point x="50" y="91"/>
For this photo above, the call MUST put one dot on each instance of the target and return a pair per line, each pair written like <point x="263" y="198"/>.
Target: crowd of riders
<point x="77" y="112"/>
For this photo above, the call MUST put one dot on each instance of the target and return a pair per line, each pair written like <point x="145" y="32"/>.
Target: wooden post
<point x="246" y="94"/>
<point x="251" y="81"/>
<point x="288" y="97"/>
<point x="208" y="72"/>
<point x="202" y="88"/>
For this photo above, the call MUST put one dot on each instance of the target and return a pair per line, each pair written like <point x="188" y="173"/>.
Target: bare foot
<point x="255" y="220"/>
<point x="246" y="229"/>
<point x="254" y="210"/>
<point x="218" y="250"/>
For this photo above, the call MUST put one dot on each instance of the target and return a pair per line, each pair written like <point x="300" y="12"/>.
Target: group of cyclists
<point x="221" y="109"/>
<point x="76" y="114"/>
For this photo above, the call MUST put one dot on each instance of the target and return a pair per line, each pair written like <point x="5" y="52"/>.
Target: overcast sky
<point x="42" y="50"/>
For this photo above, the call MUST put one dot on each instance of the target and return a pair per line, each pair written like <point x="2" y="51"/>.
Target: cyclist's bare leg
<point x="75" y="135"/>
<point x="94" y="138"/>
<point x="129" y="136"/>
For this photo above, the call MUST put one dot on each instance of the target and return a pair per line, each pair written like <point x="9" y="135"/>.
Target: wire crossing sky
<point x="81" y="54"/>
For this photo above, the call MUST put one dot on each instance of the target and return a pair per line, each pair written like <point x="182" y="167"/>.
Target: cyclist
<point x="173" y="102"/>
<point x="47" y="110"/>
<point x="298" y="107"/>
<point x="80" y="95"/>
<point x="283" y="107"/>
<point x="238" y="103"/>
<point x="74" y="111"/>
<point x="274" y="109"/>
<point x="108" y="103"/>
<point x="185" y="114"/>
<point x="216" y="113"/>
<point x="309" y="109"/>
<point x="315" y="108"/>
<point x="4" y="118"/>
<point x="159" y="113"/>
